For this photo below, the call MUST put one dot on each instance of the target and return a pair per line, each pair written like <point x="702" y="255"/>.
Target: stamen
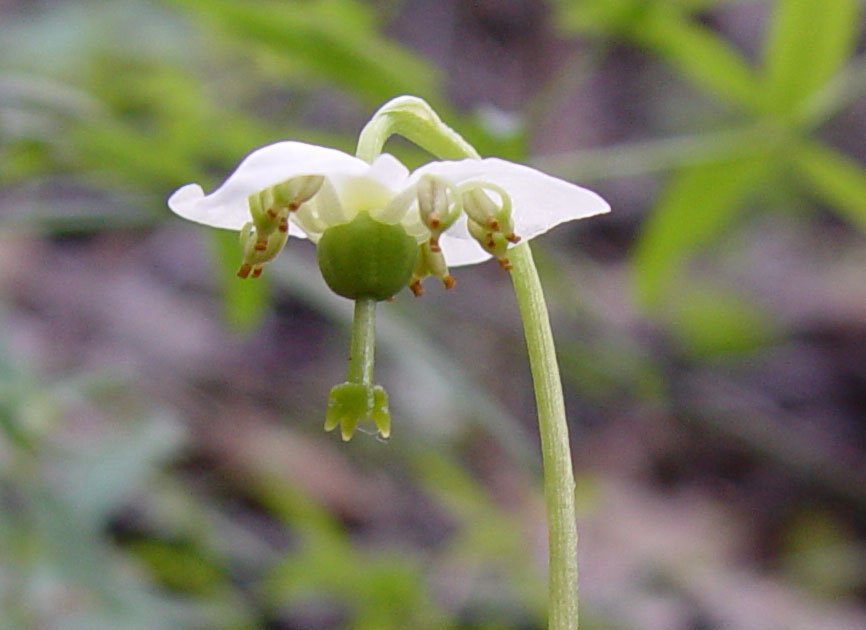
<point x="439" y="205"/>
<point x="244" y="271"/>
<point x="416" y="288"/>
<point x="448" y="281"/>
<point x="257" y="271"/>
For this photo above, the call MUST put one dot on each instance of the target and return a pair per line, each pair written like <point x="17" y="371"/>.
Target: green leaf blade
<point x="698" y="203"/>
<point x="700" y="55"/>
<point x="696" y="52"/>
<point x="839" y="180"/>
<point x="335" y="41"/>
<point x="808" y="43"/>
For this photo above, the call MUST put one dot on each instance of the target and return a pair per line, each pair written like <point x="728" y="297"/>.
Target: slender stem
<point x="362" y="349"/>
<point x="555" y="449"/>
<point x="414" y="119"/>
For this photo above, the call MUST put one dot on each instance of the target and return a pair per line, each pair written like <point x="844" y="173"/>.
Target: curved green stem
<point x="413" y="119"/>
<point x="363" y="344"/>
<point x="555" y="448"/>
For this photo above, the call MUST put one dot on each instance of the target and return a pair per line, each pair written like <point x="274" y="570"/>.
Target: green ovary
<point x="366" y="259"/>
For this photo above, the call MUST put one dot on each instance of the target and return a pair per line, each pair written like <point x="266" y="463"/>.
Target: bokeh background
<point x="162" y="459"/>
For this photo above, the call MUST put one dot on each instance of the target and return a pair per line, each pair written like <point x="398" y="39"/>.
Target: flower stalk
<point x="363" y="345"/>
<point x="555" y="447"/>
<point x="413" y="119"/>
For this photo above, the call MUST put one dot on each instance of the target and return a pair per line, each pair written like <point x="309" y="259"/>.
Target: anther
<point x="271" y="213"/>
<point x="449" y="281"/>
<point x="261" y="244"/>
<point x="284" y="224"/>
<point x="505" y="263"/>
<point x="257" y="271"/>
<point x="512" y="238"/>
<point x="244" y="271"/>
<point x="416" y="288"/>
<point x="435" y="209"/>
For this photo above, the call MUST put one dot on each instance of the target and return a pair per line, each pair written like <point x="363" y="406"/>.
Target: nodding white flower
<point x="456" y="212"/>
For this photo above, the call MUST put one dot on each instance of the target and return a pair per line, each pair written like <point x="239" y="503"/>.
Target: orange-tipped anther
<point x="284" y="225"/>
<point x="271" y="213"/>
<point x="512" y="238"/>
<point x="434" y="244"/>
<point x="449" y="281"/>
<point x="416" y="288"/>
<point x="244" y="271"/>
<point x="435" y="221"/>
<point x="504" y="263"/>
<point x="257" y="271"/>
<point x="294" y="206"/>
<point x="261" y="244"/>
<point x="493" y="224"/>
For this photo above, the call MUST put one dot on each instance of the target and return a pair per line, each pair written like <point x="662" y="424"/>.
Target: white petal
<point x="374" y="189"/>
<point x="539" y="201"/>
<point x="226" y="207"/>
<point x="461" y="250"/>
<point x="390" y="172"/>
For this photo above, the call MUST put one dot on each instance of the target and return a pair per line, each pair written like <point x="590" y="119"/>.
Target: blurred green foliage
<point x="804" y="75"/>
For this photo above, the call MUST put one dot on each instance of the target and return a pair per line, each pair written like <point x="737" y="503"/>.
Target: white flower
<point x="470" y="208"/>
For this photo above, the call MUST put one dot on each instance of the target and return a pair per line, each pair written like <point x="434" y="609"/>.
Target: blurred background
<point x="162" y="459"/>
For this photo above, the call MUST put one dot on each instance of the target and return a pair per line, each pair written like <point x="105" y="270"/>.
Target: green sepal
<point x="352" y="403"/>
<point x="380" y="414"/>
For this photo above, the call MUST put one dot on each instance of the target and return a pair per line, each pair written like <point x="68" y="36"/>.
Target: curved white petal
<point x="373" y="190"/>
<point x="539" y="201"/>
<point x="226" y="207"/>
<point x="389" y="172"/>
<point x="459" y="250"/>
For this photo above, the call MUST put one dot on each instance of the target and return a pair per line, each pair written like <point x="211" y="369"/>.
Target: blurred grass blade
<point x="651" y="156"/>
<point x="836" y="178"/>
<point x="699" y="54"/>
<point x="335" y="39"/>
<point x="697" y="204"/>
<point x="695" y="51"/>
<point x="846" y="87"/>
<point x="597" y="16"/>
<point x="244" y="302"/>
<point x="807" y="44"/>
